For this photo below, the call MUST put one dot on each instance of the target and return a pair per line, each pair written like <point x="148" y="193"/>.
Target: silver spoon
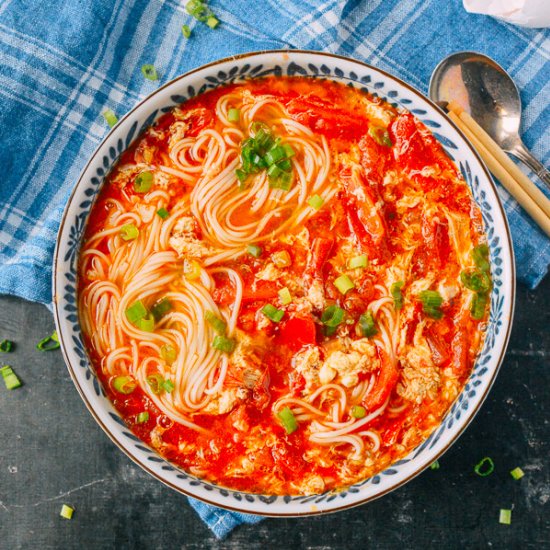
<point x="485" y="91"/>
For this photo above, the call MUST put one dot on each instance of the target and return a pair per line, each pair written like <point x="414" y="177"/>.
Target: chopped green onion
<point x="380" y="135"/>
<point x="110" y="117"/>
<point x="136" y="312"/>
<point x="431" y="302"/>
<point x="281" y="258"/>
<point x="6" y="346"/>
<point x="517" y="473"/>
<point x="147" y="324"/>
<point x="288" y="420"/>
<point x="49" y="343"/>
<point x="358" y="262"/>
<point x="479" y="303"/>
<point x="186" y="31"/>
<point x="435" y="465"/>
<point x="161" y="308"/>
<point x="316" y="202"/>
<point x="289" y="151"/>
<point x="163" y="213"/>
<point x="332" y="316"/>
<point x="149" y="72"/>
<point x="224" y="344"/>
<point x="143" y="182"/>
<point x="168" y="386"/>
<point x="367" y="324"/>
<point x="219" y="325"/>
<point x="142" y="417"/>
<point x="212" y="22"/>
<point x="66" y="511"/>
<point x="155" y="382"/>
<point x="197" y="9"/>
<point x="272" y="313"/>
<point x="124" y="384"/>
<point x="476" y="280"/>
<point x="397" y="295"/>
<point x="505" y="516"/>
<point x="275" y="154"/>
<point x="284" y="181"/>
<point x="129" y="232"/>
<point x="484" y="467"/>
<point x="358" y="412"/>
<point x="285" y="296"/>
<point x="233" y="115"/>
<point x="480" y="255"/>
<point x="168" y="353"/>
<point x="10" y="378"/>
<point x="254" y="250"/>
<point x="344" y="284"/>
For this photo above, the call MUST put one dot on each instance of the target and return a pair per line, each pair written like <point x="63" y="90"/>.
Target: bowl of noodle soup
<point x="284" y="283"/>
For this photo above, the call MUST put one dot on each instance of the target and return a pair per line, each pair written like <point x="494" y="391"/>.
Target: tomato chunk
<point x="297" y="332"/>
<point x="385" y="383"/>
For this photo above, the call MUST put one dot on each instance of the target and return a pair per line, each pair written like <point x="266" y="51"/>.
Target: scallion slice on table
<point x="288" y="420"/>
<point x="212" y="22"/>
<point x="186" y="31"/>
<point x="219" y="325"/>
<point x="10" y="378"/>
<point x="124" y="384"/>
<point x="49" y="343"/>
<point x="110" y="118"/>
<point x="344" y="284"/>
<point x="316" y="202"/>
<point x="222" y="343"/>
<point x="435" y="465"/>
<point x="505" y="516"/>
<point x="129" y="232"/>
<point x="6" y="346"/>
<point x="66" y="511"/>
<point x="485" y="467"/>
<point x="272" y="313"/>
<point x="149" y="72"/>
<point x="517" y="473"/>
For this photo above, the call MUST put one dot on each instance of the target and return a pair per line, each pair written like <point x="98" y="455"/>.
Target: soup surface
<point x="283" y="285"/>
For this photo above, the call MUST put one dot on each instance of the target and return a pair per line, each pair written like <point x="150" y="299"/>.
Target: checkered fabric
<point x="62" y="63"/>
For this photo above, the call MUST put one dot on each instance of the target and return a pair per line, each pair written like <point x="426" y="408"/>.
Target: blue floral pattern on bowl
<point x="255" y="65"/>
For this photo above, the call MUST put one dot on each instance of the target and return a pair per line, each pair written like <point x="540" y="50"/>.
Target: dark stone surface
<point x="52" y="452"/>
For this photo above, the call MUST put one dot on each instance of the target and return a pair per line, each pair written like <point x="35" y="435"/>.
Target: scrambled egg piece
<point x="268" y="273"/>
<point x="184" y="239"/>
<point x="419" y="377"/>
<point x="223" y="402"/>
<point x="346" y="366"/>
<point x="316" y="294"/>
<point x="308" y="362"/>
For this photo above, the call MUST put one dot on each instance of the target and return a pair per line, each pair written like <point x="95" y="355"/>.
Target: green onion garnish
<point x="136" y="312"/>
<point x="147" y="324"/>
<point x="479" y="303"/>
<point x="254" y="250"/>
<point x="186" y="31"/>
<point x="201" y="12"/>
<point x="212" y="22"/>
<point x="163" y="213"/>
<point x="480" y="255"/>
<point x="6" y="346"/>
<point x="505" y="516"/>
<point x="10" y="378"/>
<point x="367" y="324"/>
<point x="431" y="302"/>
<point x="124" y="384"/>
<point x="66" y="511"/>
<point x="484" y="467"/>
<point x="161" y="308"/>
<point x="332" y="316"/>
<point x="149" y="72"/>
<point x="227" y="345"/>
<point x="129" y="232"/>
<point x="288" y="420"/>
<point x="380" y="135"/>
<point x="143" y="182"/>
<point x="155" y="382"/>
<point x="233" y="115"/>
<point x="219" y="325"/>
<point x="142" y="417"/>
<point x="272" y="313"/>
<point x="344" y="284"/>
<point x="316" y="202"/>
<point x="517" y="473"/>
<point x="358" y="262"/>
<point x="49" y="343"/>
<point x="168" y="386"/>
<point x="476" y="280"/>
<point x="435" y="465"/>
<point x="168" y="353"/>
<point x="289" y="151"/>
<point x="110" y="117"/>
<point x="285" y="296"/>
<point x="357" y="411"/>
<point x="397" y="295"/>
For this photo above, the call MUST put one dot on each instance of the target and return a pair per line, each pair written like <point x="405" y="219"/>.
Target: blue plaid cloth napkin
<point x="63" y="63"/>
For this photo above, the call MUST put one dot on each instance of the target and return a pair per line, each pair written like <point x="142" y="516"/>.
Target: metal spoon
<point x="486" y="91"/>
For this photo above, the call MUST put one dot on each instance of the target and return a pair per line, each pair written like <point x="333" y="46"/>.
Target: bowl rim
<point x="462" y="426"/>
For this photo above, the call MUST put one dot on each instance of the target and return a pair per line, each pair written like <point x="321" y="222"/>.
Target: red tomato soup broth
<point x="283" y="285"/>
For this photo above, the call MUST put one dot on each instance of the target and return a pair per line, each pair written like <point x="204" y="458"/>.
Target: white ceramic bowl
<point x="229" y="70"/>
